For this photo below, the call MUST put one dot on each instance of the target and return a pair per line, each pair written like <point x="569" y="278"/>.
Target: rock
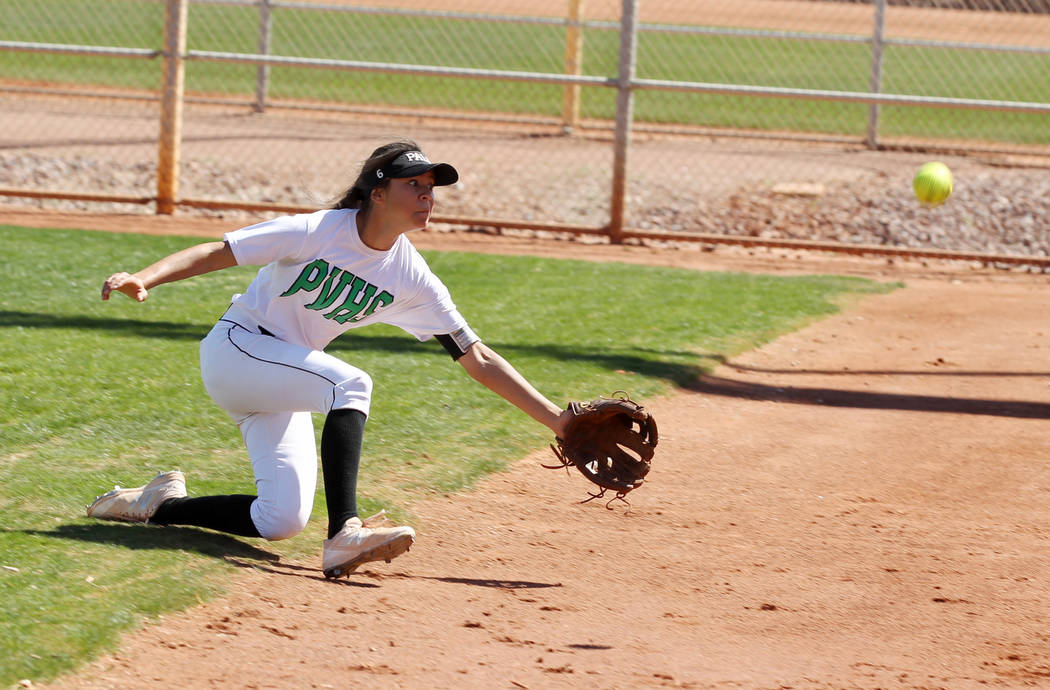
<point x="799" y="189"/>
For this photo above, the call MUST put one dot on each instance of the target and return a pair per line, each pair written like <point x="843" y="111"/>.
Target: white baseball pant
<point x="270" y="387"/>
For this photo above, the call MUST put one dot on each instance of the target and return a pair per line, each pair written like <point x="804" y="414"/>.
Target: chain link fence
<point x="719" y="117"/>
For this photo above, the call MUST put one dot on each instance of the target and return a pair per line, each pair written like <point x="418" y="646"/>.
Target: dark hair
<point x="359" y="195"/>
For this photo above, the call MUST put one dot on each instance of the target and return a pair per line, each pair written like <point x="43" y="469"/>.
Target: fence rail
<point x="60" y="49"/>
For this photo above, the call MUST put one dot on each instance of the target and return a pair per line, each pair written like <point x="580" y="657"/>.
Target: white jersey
<point x="319" y="279"/>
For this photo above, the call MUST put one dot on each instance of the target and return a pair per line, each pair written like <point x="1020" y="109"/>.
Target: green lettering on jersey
<point x="381" y="300"/>
<point x="312" y="275"/>
<point x="330" y="293"/>
<point x="357" y="297"/>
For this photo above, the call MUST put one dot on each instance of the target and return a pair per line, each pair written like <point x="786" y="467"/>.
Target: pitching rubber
<point x="384" y="552"/>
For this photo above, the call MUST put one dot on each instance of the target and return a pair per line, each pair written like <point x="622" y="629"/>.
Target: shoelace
<point x="374" y="520"/>
<point x="117" y="487"/>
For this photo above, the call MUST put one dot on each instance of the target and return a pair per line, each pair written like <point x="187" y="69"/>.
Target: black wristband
<point x="450" y="345"/>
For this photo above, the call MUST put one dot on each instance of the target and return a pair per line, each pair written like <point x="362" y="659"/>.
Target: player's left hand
<point x="562" y="422"/>
<point x="610" y="440"/>
<point x="129" y="284"/>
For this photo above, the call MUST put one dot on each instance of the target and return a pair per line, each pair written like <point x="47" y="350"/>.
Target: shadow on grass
<point x="169" y="330"/>
<point x="688" y="370"/>
<point x="651" y="363"/>
<point x="646" y="361"/>
<point x="169" y="538"/>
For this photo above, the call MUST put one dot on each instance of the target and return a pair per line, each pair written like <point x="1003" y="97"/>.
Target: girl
<point x="263" y="362"/>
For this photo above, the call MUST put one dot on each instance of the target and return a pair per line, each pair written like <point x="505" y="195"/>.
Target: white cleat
<point x="359" y="543"/>
<point x="138" y="504"/>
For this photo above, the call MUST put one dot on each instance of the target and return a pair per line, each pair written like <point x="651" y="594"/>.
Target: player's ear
<point x="377" y="194"/>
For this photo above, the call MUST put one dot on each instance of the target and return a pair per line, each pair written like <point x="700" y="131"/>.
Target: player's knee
<point x="353" y="393"/>
<point x="283" y="529"/>
<point x="364" y="384"/>
<point x="276" y="522"/>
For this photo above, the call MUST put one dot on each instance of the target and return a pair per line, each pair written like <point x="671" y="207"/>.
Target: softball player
<point x="322" y="274"/>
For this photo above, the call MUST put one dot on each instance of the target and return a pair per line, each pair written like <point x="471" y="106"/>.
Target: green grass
<point x="97" y="393"/>
<point x="413" y="40"/>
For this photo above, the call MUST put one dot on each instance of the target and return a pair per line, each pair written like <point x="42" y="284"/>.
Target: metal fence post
<point x="877" y="38"/>
<point x="570" y="109"/>
<point x="262" y="79"/>
<point x="624" y="118"/>
<point x="175" y="13"/>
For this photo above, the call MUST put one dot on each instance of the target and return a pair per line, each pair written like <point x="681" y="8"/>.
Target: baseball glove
<point x="610" y="441"/>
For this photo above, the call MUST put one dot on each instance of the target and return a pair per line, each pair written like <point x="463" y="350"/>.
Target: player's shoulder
<point x="327" y="227"/>
<point x="329" y="219"/>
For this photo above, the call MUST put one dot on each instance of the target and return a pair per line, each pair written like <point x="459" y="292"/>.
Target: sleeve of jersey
<point x="434" y="314"/>
<point x="263" y="243"/>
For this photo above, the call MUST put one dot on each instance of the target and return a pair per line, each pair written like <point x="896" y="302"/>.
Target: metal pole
<point x="171" y="105"/>
<point x="262" y="79"/>
<point x="624" y="118"/>
<point x="570" y="110"/>
<point x="877" y="42"/>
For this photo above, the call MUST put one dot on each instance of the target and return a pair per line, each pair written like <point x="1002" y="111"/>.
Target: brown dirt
<point x="864" y="503"/>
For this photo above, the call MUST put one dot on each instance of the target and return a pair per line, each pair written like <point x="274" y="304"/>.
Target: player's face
<point x="411" y="199"/>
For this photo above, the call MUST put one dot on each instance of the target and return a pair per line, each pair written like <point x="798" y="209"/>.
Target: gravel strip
<point x="993" y="211"/>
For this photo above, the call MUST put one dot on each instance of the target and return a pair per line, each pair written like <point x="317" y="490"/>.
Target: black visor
<point x="412" y="163"/>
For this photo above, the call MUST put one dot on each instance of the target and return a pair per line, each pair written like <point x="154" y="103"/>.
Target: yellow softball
<point x="933" y="183"/>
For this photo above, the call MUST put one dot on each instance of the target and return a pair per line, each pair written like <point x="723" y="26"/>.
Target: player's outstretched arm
<point x="488" y="368"/>
<point x="186" y="263"/>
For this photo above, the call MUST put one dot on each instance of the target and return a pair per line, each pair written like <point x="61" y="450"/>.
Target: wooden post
<point x="877" y="39"/>
<point x="570" y="110"/>
<point x="262" y="74"/>
<point x="624" y="117"/>
<point x="171" y="105"/>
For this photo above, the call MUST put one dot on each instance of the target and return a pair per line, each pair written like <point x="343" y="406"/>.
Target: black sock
<point x="341" y="440"/>
<point x="230" y="514"/>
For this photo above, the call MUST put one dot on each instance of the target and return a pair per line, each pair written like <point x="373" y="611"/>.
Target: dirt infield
<point x="864" y="503"/>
